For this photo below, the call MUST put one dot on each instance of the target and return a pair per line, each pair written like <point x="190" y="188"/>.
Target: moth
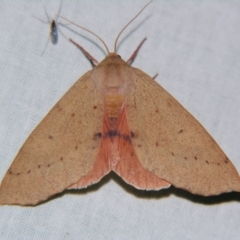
<point x="117" y="118"/>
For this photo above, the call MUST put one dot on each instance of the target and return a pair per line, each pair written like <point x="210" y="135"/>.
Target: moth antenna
<point x="115" y="44"/>
<point x="88" y="31"/>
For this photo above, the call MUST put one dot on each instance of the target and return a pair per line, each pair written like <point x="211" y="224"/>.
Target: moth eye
<point x="119" y="56"/>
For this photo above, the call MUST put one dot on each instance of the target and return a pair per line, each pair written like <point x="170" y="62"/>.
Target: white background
<point x="194" y="46"/>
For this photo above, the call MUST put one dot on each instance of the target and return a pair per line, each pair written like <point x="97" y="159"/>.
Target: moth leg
<point x="92" y="60"/>
<point x="155" y="76"/>
<point x="131" y="59"/>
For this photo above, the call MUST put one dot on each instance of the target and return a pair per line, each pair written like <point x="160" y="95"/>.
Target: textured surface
<point x="60" y="150"/>
<point x="171" y="144"/>
<point x="195" y="50"/>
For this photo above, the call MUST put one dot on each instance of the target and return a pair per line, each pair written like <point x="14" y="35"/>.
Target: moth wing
<point x="60" y="151"/>
<point x="170" y="143"/>
<point x="129" y="168"/>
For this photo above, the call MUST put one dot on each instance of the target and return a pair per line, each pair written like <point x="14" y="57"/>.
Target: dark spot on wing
<point x="185" y="158"/>
<point x="76" y="147"/>
<point x="169" y="103"/>
<point x="97" y="136"/>
<point x="207" y="161"/>
<point x="94" y="107"/>
<point x="29" y="170"/>
<point x="132" y="134"/>
<point x="172" y="153"/>
<point x="139" y="145"/>
<point x="226" y="160"/>
<point x="112" y="133"/>
<point x="50" y="137"/>
<point x="156" y="144"/>
<point x="180" y="131"/>
<point x="58" y="107"/>
<point x="156" y="110"/>
<point x="127" y="138"/>
<point x="195" y="157"/>
<point x="73" y="114"/>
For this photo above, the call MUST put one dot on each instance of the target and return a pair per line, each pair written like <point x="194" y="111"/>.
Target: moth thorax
<point x="113" y="104"/>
